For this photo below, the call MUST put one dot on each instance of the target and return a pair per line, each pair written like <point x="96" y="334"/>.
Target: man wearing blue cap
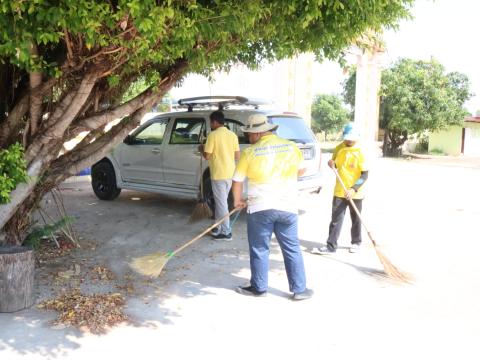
<point x="349" y="160"/>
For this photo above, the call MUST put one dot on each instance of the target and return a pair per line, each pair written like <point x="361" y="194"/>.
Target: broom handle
<point x="354" y="206"/>
<point x="203" y="233"/>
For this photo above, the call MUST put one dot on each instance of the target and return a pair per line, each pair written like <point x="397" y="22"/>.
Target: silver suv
<point x="162" y="154"/>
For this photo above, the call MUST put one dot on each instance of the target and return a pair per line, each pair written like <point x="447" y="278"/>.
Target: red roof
<point x="475" y="119"/>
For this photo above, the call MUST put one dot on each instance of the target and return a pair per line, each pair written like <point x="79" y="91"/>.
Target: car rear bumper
<point x="311" y="184"/>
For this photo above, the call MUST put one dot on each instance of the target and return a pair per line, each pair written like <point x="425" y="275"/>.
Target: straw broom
<point x="201" y="210"/>
<point x="152" y="264"/>
<point x="391" y="270"/>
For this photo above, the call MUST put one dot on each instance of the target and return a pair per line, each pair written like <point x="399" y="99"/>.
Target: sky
<point x="446" y="30"/>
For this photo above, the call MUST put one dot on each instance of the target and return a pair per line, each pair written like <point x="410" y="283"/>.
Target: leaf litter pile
<point x="96" y="312"/>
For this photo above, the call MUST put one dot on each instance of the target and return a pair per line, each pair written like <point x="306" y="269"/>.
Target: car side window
<point x="187" y="131"/>
<point x="235" y="126"/>
<point x="152" y="134"/>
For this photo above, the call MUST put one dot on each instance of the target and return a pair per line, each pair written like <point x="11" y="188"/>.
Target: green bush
<point x="436" y="152"/>
<point x="12" y="170"/>
<point x="47" y="231"/>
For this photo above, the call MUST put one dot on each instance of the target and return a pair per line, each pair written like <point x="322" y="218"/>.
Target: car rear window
<point x="293" y="128"/>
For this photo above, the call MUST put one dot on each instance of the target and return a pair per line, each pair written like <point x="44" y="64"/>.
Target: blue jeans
<point x="260" y="226"/>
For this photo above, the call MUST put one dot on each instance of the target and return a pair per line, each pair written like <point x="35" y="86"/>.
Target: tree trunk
<point x="17" y="266"/>
<point x="46" y="169"/>
<point x="392" y="143"/>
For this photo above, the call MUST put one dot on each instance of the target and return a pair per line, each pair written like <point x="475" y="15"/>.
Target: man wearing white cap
<point x="349" y="160"/>
<point x="271" y="165"/>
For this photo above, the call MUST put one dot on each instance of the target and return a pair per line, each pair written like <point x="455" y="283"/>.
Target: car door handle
<point x="155" y="150"/>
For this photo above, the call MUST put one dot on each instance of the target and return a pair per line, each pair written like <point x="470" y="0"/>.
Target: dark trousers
<point x="339" y="205"/>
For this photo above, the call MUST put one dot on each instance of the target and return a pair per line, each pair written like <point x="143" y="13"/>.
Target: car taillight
<point x="308" y="153"/>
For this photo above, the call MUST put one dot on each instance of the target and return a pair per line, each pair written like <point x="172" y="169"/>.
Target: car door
<point x="181" y="158"/>
<point x="236" y="127"/>
<point x="140" y="157"/>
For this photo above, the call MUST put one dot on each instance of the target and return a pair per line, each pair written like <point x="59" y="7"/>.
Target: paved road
<point x="424" y="213"/>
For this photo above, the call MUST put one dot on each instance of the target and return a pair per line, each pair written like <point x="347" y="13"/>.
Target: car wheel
<point x="208" y="195"/>
<point x="104" y="183"/>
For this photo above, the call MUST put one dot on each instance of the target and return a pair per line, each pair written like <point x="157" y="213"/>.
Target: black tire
<point x="104" y="183"/>
<point x="208" y="195"/>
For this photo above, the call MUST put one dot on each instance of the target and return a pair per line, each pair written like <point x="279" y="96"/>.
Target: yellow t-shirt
<point x="222" y="144"/>
<point x="350" y="162"/>
<point x="271" y="167"/>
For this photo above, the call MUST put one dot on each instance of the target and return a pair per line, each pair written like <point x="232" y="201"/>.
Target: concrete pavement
<point x="423" y="213"/>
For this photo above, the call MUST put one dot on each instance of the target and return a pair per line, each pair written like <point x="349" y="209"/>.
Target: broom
<point x="391" y="270"/>
<point x="152" y="264"/>
<point x="201" y="210"/>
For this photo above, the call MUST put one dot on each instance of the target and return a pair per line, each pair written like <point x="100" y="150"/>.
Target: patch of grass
<point x="47" y="231"/>
<point x="436" y="152"/>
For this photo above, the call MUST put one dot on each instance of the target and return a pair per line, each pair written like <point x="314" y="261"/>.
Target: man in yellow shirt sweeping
<point x="271" y="165"/>
<point x="349" y="160"/>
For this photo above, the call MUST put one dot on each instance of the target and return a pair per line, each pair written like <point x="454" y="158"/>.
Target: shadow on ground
<point x="113" y="233"/>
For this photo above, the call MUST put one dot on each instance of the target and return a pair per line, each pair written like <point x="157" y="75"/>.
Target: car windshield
<point x="292" y="128"/>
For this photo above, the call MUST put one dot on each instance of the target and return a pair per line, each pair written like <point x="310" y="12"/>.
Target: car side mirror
<point x="128" y="140"/>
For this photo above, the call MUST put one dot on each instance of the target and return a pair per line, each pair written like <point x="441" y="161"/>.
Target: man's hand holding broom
<point x="239" y="202"/>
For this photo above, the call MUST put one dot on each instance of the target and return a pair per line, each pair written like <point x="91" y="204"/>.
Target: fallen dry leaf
<point x="95" y="312"/>
<point x="102" y="273"/>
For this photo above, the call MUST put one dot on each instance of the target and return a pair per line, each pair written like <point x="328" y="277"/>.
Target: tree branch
<point x="12" y="123"/>
<point x="61" y="119"/>
<point x="74" y="161"/>
<point x="35" y="98"/>
<point x="13" y="120"/>
<point x="169" y="78"/>
<point x="21" y="192"/>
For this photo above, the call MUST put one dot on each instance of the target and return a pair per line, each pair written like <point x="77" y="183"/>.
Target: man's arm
<point x="361" y="180"/>
<point x="237" y="155"/>
<point x="237" y="190"/>
<point x="208" y="148"/>
<point x="207" y="156"/>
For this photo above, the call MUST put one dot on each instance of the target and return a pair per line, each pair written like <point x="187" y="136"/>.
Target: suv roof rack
<point x="223" y="102"/>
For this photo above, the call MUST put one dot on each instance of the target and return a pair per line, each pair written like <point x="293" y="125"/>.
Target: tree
<point x="349" y="87"/>
<point x="65" y="66"/>
<point x="328" y="114"/>
<point x="416" y="96"/>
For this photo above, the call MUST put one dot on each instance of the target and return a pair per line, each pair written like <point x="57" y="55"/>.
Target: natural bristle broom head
<point x="150" y="265"/>
<point x="201" y="211"/>
<point x="391" y="270"/>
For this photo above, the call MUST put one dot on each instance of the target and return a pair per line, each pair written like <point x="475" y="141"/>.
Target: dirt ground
<point x="424" y="213"/>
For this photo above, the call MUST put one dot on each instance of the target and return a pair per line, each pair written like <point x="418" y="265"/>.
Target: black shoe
<point x="215" y="231"/>
<point x="250" y="291"/>
<point x="323" y="250"/>
<point x="224" y="237"/>
<point x="304" y="295"/>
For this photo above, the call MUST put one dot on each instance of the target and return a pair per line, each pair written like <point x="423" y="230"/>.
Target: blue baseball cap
<point x="350" y="132"/>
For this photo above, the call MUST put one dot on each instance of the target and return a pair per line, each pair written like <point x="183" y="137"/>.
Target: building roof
<point x="475" y="119"/>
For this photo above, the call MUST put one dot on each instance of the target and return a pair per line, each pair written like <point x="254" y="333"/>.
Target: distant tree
<point x="328" y="114"/>
<point x="348" y="93"/>
<point x="415" y="96"/>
